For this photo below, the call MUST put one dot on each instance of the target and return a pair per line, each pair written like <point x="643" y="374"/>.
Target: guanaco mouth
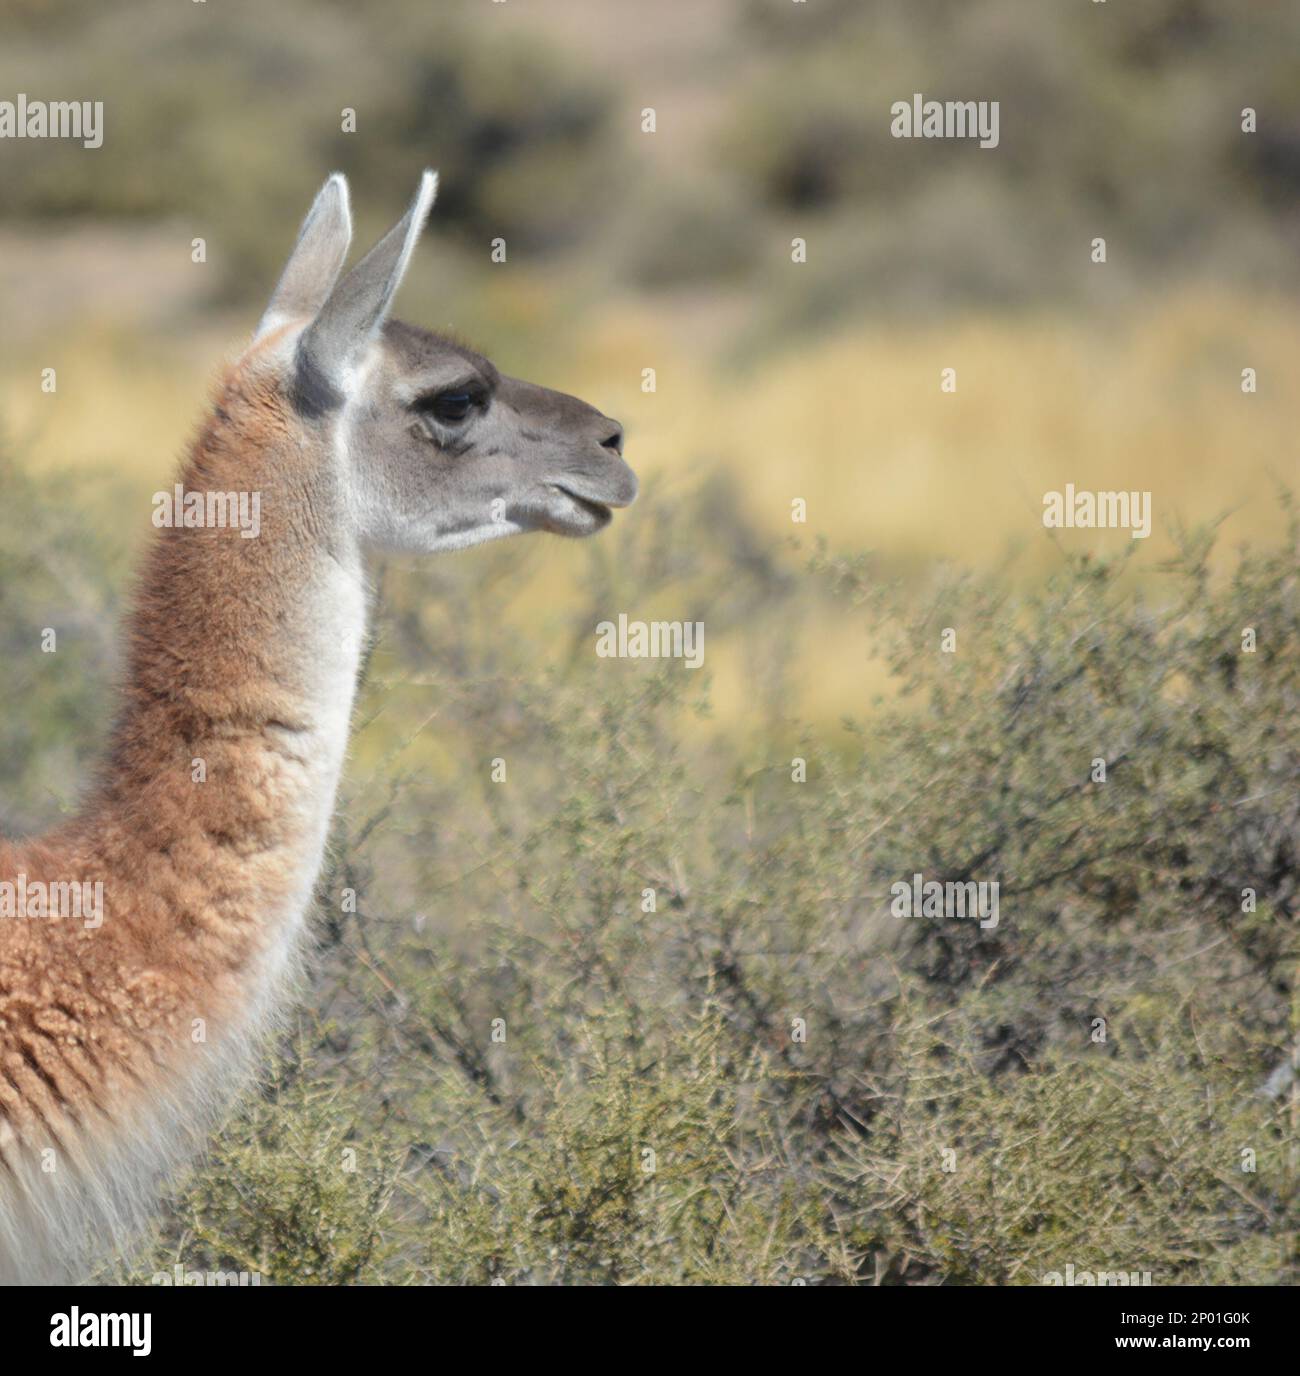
<point x="600" y="510"/>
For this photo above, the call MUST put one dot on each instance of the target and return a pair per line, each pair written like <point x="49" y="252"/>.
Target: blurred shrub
<point x="695" y="232"/>
<point x="55" y="567"/>
<point x="517" y="136"/>
<point x="228" y="121"/>
<point x="1111" y="123"/>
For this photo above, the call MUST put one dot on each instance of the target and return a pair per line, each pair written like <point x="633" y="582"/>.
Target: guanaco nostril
<point x="614" y="442"/>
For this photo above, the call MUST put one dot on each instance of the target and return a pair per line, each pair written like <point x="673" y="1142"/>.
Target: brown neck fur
<point x="234" y="661"/>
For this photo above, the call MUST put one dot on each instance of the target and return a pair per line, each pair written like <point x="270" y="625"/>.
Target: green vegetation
<point x="506" y="1068"/>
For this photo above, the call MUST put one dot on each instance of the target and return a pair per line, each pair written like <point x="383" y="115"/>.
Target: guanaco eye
<point x="450" y="407"/>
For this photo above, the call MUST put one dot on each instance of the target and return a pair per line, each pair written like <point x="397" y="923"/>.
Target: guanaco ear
<point x="313" y="266"/>
<point x="337" y="339"/>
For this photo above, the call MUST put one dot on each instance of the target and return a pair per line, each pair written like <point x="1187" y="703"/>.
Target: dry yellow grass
<point x="857" y="425"/>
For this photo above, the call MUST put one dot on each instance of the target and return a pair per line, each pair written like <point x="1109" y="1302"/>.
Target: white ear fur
<point x="313" y="267"/>
<point x="342" y="331"/>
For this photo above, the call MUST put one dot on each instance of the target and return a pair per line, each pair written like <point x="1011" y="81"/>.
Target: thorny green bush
<point x="641" y="1012"/>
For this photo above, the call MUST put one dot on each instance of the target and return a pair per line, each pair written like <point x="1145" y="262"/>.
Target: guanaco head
<point x="440" y="449"/>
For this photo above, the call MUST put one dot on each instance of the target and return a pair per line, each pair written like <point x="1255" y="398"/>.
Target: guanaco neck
<point x="243" y="657"/>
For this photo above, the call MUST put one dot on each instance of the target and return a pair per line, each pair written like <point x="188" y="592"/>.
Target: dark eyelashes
<point x="450" y="403"/>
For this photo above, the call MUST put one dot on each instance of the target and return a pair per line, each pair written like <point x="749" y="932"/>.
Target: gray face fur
<point x="442" y="450"/>
<point x="447" y="451"/>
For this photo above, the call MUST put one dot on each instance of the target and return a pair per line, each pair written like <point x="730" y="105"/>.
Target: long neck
<point x="204" y="835"/>
<point x="206" y="832"/>
<point x="243" y="660"/>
